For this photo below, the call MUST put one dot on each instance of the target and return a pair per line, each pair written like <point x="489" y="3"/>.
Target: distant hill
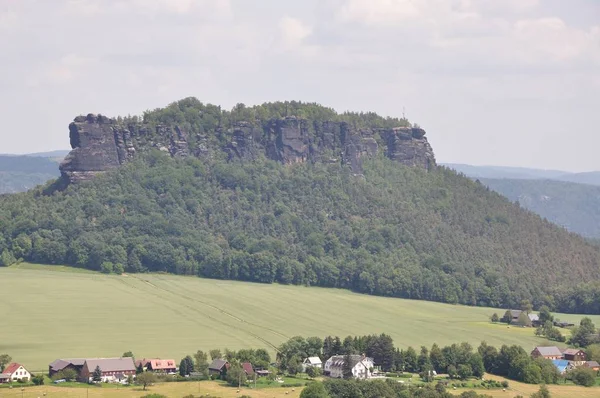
<point x="571" y="200"/>
<point x="505" y="172"/>
<point x="292" y="193"/>
<point x="20" y="173"/>
<point x="573" y="206"/>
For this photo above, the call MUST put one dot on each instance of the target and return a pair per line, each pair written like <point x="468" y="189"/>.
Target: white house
<point x="15" y="372"/>
<point x="312" y="362"/>
<point x="361" y="366"/>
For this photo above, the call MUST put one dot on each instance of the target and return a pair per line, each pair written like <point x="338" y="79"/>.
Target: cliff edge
<point x="100" y="143"/>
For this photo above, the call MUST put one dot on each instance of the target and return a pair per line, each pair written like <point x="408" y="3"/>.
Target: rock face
<point x="100" y="144"/>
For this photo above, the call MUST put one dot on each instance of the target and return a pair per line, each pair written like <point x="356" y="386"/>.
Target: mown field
<point x="52" y="312"/>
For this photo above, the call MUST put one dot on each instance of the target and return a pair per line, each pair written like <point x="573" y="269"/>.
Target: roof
<point x="533" y="317"/>
<point x="313" y="360"/>
<point x="247" y="366"/>
<point x="4" y="376"/>
<point x="591" y="364"/>
<point x="60" y="364"/>
<point x="561" y="364"/>
<point x="572" y="351"/>
<point x="12" y="368"/>
<point x="552" y="351"/>
<point x="515" y="313"/>
<point x="338" y="360"/>
<point x="217" y="364"/>
<point x="111" y="364"/>
<point x="156" y="363"/>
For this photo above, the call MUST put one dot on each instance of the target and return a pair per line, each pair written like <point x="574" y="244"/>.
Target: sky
<point x="494" y="82"/>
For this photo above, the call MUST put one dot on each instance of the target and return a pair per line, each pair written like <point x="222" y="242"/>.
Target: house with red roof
<point x="14" y="372"/>
<point x="248" y="369"/>
<point x="157" y="365"/>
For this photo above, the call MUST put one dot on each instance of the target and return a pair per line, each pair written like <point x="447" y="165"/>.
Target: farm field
<point x="51" y="312"/>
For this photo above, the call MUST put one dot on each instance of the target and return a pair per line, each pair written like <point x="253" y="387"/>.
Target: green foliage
<point x="5" y="359"/>
<point x="38" y="380"/>
<point x="584" y="334"/>
<point x="542" y="393"/>
<point x="583" y="376"/>
<point x="201" y="363"/>
<point x="186" y="366"/>
<point x="550" y="332"/>
<point x="66" y="374"/>
<point x="7" y="258"/>
<point x="97" y="374"/>
<point x="106" y="267"/>
<point x="314" y="390"/>
<point x="313" y="371"/>
<point x="495" y="317"/>
<point x="145" y="379"/>
<point x="236" y="375"/>
<point x="523" y="319"/>
<point x="215" y="354"/>
<point x="593" y="352"/>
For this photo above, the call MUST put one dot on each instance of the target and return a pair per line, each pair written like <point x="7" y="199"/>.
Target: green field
<point x="52" y="312"/>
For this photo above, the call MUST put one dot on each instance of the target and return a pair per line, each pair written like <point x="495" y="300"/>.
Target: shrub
<point x="583" y="377"/>
<point x="505" y="384"/>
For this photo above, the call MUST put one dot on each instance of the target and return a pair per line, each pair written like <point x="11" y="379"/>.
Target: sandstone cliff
<point x="100" y="143"/>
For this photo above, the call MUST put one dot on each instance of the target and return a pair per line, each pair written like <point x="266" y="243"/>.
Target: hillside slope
<point x="392" y="230"/>
<point x="573" y="206"/>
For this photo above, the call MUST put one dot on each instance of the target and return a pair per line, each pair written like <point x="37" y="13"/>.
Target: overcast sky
<point x="503" y="82"/>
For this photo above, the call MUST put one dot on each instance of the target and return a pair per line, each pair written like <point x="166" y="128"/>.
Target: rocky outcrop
<point x="100" y="144"/>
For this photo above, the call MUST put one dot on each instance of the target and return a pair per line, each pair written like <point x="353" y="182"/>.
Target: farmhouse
<point x="157" y="365"/>
<point x="361" y="366"/>
<point x="218" y="367"/>
<point x="14" y="372"/>
<point x="575" y="355"/>
<point x="248" y="369"/>
<point x="563" y="365"/>
<point x="534" y="319"/>
<point x="552" y="352"/>
<point x="62" y="364"/>
<point x="592" y="365"/>
<point x="314" y="362"/>
<point x="113" y="369"/>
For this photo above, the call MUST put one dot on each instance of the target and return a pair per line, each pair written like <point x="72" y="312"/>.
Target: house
<point x="534" y="319"/>
<point x="248" y="369"/>
<point x="157" y="365"/>
<point x="361" y="366"/>
<point x="514" y="315"/>
<point x="61" y="364"/>
<point x="563" y="365"/>
<point x="4" y="378"/>
<point x="592" y="365"/>
<point x="552" y="352"/>
<point x="262" y="373"/>
<point x="112" y="369"/>
<point x="14" y="372"/>
<point x="314" y="362"/>
<point x="563" y="324"/>
<point x="218" y="367"/>
<point x="575" y="355"/>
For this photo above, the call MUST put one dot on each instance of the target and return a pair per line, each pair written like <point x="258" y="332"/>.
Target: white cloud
<point x="378" y="12"/>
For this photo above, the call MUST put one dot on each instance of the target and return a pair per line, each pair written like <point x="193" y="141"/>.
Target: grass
<point x="48" y="312"/>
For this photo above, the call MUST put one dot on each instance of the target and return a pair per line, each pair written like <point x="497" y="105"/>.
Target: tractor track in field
<point x="225" y="312"/>
<point x="256" y="336"/>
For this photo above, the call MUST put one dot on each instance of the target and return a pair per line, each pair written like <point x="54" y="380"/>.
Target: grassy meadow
<point x="49" y="312"/>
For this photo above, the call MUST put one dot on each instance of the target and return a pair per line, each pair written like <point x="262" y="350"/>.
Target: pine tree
<point x="347" y="367"/>
<point x="97" y="375"/>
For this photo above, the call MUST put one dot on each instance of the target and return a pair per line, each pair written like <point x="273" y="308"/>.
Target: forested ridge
<point x="394" y="231"/>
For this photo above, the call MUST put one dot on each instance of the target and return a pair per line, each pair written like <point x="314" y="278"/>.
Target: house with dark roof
<point x="157" y="365"/>
<point x="15" y="372"/>
<point x="551" y="352"/>
<point x="360" y="366"/>
<point x="592" y="365"/>
<point x="218" y="367"/>
<point x="112" y="369"/>
<point x="575" y="355"/>
<point x="61" y="364"/>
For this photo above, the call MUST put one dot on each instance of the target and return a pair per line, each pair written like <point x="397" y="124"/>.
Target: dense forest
<point x="394" y="231"/>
